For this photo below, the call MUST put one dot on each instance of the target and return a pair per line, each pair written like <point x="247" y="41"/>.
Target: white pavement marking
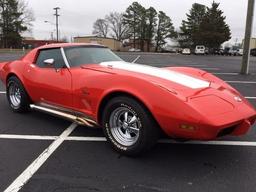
<point x="250" y="98"/>
<point x="103" y="139"/>
<point x="135" y="60"/>
<point x="209" y="68"/>
<point x="191" y="65"/>
<point x="36" y="164"/>
<point x="242" y="82"/>
<point x="28" y="137"/>
<point x="167" y="141"/>
<point x="2" y="92"/>
<point x="98" y="139"/>
<point x="226" y="73"/>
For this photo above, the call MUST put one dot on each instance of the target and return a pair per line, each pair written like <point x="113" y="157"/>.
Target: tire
<point x="17" y="96"/>
<point x="128" y="126"/>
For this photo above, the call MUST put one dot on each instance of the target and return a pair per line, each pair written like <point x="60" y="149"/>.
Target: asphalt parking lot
<point x="33" y="153"/>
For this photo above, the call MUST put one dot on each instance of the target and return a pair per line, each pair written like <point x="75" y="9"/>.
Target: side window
<point x="50" y="54"/>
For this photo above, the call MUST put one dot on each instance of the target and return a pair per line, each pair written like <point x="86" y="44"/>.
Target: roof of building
<point x="94" y="36"/>
<point x="56" y="45"/>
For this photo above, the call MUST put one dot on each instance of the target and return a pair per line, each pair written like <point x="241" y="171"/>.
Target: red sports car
<point x="91" y="85"/>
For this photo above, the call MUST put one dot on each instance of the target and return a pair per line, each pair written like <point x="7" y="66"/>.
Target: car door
<point x="48" y="82"/>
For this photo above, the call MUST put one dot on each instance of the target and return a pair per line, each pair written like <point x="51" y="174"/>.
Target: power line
<point x="57" y="21"/>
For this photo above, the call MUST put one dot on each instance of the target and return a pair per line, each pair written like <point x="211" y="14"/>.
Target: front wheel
<point x="128" y="126"/>
<point x="17" y="96"/>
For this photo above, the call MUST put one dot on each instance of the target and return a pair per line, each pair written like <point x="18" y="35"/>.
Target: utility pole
<point x="57" y="21"/>
<point x="247" y="38"/>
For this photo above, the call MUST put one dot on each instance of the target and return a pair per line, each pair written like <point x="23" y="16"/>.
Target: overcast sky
<point x="77" y="16"/>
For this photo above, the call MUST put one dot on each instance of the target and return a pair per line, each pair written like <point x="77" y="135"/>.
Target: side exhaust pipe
<point x="78" y="120"/>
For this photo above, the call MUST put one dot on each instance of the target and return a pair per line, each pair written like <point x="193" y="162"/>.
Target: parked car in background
<point x="226" y="51"/>
<point x="207" y="51"/>
<point x="218" y="51"/>
<point x="186" y="51"/>
<point x="253" y="52"/>
<point x="233" y="52"/>
<point x="240" y="52"/>
<point x="200" y="50"/>
<point x="134" y="50"/>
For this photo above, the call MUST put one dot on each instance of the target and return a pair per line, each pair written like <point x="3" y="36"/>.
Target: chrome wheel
<point x="125" y="126"/>
<point x="14" y="95"/>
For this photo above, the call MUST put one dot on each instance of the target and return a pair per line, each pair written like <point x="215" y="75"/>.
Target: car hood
<point x="189" y="84"/>
<point x="163" y="76"/>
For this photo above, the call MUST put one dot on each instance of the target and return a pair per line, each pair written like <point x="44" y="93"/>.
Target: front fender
<point x="162" y="103"/>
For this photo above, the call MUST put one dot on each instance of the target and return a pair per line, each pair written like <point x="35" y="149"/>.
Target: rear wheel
<point x="17" y="96"/>
<point x="128" y="126"/>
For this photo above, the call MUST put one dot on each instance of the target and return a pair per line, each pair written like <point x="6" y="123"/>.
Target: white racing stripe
<point x="36" y="164"/>
<point x="173" y="76"/>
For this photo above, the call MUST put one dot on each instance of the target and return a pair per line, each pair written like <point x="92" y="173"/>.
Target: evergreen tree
<point x="14" y="19"/>
<point x="213" y="29"/>
<point x="165" y="30"/>
<point x="133" y="18"/>
<point x="151" y="19"/>
<point x="146" y="25"/>
<point x="188" y="36"/>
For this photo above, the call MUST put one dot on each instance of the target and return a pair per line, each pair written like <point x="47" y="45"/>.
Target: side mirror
<point x="49" y="62"/>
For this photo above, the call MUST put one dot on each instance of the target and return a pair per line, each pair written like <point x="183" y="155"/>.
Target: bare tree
<point x="101" y="28"/>
<point x="27" y="16"/>
<point x="119" y="29"/>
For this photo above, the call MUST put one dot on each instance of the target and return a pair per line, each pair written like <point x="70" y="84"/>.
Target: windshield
<point x="78" y="56"/>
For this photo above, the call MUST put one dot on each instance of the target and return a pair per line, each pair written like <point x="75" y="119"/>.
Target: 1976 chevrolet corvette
<point x="92" y="86"/>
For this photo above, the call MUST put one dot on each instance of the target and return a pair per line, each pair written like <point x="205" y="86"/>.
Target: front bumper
<point x="236" y="122"/>
<point x="209" y="132"/>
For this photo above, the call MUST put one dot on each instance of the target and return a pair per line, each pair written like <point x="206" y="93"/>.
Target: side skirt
<point x="67" y="114"/>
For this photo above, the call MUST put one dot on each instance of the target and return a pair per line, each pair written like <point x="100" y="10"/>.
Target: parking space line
<point x="191" y="65"/>
<point x="95" y="139"/>
<point x="36" y="164"/>
<point x="28" y="137"/>
<point x="166" y="141"/>
<point x="250" y="98"/>
<point x="226" y="73"/>
<point x="2" y="92"/>
<point x="242" y="82"/>
<point x="169" y="141"/>
<point x="135" y="60"/>
<point x="65" y="136"/>
<point x="209" y="68"/>
<point x="103" y="139"/>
